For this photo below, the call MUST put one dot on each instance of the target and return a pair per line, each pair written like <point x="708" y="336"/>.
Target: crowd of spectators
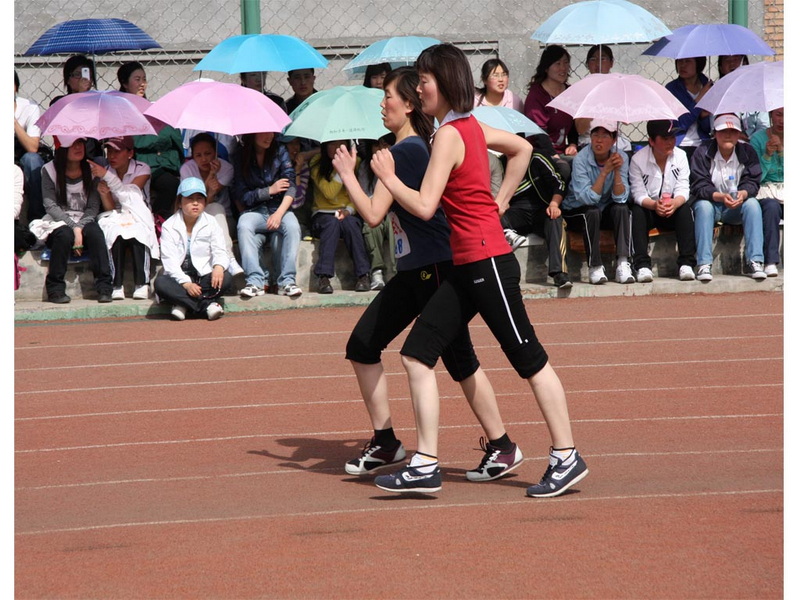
<point x="102" y="199"/>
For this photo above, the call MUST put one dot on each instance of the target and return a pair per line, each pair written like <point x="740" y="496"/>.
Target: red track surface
<point x="205" y="460"/>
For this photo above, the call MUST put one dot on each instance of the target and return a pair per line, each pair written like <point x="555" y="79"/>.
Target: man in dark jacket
<point x="725" y="178"/>
<point x="536" y="208"/>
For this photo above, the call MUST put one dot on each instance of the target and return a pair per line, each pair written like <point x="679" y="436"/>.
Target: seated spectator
<point x="379" y="237"/>
<point x="536" y="208"/>
<point x="70" y="227"/>
<point x="659" y="178"/>
<point x="23" y="237"/>
<point x="549" y="80"/>
<point x="27" y="137"/>
<point x="301" y="205"/>
<point x="127" y="222"/>
<point x="255" y="81"/>
<point x="334" y="216"/>
<point x="375" y="74"/>
<point x="725" y="178"/>
<point x="263" y="190"/>
<point x="597" y="199"/>
<point x="80" y="76"/>
<point x="754" y="120"/>
<point x="302" y="83"/>
<point x="495" y="90"/>
<point x="195" y="261"/>
<point x="217" y="176"/>
<point x="162" y="152"/>
<point x="768" y="144"/>
<point x="689" y="88"/>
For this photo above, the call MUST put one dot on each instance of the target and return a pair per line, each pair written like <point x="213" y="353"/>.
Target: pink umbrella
<point x="97" y="115"/>
<point x="618" y="97"/>
<point x="219" y="107"/>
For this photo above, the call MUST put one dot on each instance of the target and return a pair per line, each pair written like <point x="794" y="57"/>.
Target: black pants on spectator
<point x="172" y="292"/>
<point x="524" y="217"/>
<point x="681" y="222"/>
<point x="329" y="229"/>
<point x="772" y="213"/>
<point x="60" y="242"/>
<point x="589" y="220"/>
<point x="141" y="264"/>
<point x="23" y="237"/>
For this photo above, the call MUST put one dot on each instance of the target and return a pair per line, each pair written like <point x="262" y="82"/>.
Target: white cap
<point x="727" y="121"/>
<point x="610" y="126"/>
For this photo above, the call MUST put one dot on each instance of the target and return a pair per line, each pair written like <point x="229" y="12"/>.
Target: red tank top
<point x="476" y="233"/>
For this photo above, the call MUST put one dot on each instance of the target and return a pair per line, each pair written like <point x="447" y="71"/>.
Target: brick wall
<point x="773" y="26"/>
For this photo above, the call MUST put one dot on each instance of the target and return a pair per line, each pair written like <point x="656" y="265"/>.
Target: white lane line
<point x="572" y="393"/>
<point x="300" y="470"/>
<point x="538" y="325"/>
<point x="407" y="507"/>
<point x="361" y="431"/>
<point x="226" y="382"/>
<point x="186" y="361"/>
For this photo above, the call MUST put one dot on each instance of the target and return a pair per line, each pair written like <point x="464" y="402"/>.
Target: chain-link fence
<point x="187" y="30"/>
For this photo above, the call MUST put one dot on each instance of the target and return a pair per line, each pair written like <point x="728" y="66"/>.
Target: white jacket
<point x="207" y="247"/>
<point x="646" y="178"/>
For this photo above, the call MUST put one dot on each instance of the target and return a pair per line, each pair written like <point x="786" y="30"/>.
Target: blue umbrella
<point x="397" y="51"/>
<point x="507" y="119"/>
<point x="725" y="39"/>
<point x="261" y="52"/>
<point x="601" y="22"/>
<point x="91" y="36"/>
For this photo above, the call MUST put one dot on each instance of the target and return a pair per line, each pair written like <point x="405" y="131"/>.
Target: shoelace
<point x="488" y="454"/>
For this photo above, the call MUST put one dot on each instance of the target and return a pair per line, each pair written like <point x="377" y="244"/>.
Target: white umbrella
<point x="757" y="87"/>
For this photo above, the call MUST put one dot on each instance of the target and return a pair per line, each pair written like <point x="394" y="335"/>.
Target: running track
<point x="204" y="460"/>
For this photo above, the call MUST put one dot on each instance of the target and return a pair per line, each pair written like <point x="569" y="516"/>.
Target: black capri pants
<point x="488" y="287"/>
<point x="395" y="307"/>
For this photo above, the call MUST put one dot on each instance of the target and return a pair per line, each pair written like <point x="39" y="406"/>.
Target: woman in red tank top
<point x="484" y="280"/>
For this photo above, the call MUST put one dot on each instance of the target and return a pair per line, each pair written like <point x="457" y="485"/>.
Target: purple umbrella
<point x="726" y="39"/>
<point x="219" y="107"/>
<point x="97" y="115"/>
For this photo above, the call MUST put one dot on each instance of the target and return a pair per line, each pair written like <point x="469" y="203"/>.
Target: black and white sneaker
<point x="374" y="457"/>
<point x="559" y="476"/>
<point x="495" y="462"/>
<point x="410" y="479"/>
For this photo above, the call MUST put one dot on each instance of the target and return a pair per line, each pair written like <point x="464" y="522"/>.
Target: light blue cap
<point x="192" y="185"/>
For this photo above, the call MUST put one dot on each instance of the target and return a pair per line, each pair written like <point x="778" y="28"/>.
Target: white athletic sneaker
<point x="644" y="275"/>
<point x="376" y="280"/>
<point x="771" y="270"/>
<point x="624" y="273"/>
<point x="686" y="273"/>
<point x="704" y="273"/>
<point x="142" y="292"/>
<point x="597" y="275"/>
<point x="214" y="311"/>
<point x="290" y="289"/>
<point x="118" y="293"/>
<point x="757" y="270"/>
<point x="514" y="239"/>
<point x="251" y="291"/>
<point x="178" y="313"/>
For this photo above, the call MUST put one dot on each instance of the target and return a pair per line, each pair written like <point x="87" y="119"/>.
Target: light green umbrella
<point x="345" y="112"/>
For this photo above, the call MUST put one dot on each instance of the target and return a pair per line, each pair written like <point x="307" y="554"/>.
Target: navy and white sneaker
<point x="559" y="476"/>
<point x="495" y="462"/>
<point x="410" y="479"/>
<point x="374" y="457"/>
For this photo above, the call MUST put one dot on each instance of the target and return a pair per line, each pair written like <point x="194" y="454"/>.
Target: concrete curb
<point x="80" y="309"/>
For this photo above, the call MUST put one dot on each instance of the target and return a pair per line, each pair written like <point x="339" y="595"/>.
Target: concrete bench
<point x="532" y="256"/>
